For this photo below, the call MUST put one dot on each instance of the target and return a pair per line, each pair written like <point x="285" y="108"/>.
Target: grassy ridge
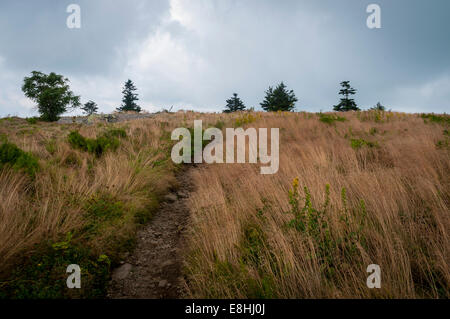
<point x="94" y="187"/>
<point x="359" y="189"/>
<point x="355" y="189"/>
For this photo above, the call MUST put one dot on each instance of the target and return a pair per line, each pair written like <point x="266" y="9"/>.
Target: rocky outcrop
<point x="104" y="118"/>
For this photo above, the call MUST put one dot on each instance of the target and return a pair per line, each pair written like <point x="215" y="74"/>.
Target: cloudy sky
<point x="193" y="54"/>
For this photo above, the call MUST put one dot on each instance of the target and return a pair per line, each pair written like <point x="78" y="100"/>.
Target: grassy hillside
<point x="362" y="188"/>
<point x="76" y="195"/>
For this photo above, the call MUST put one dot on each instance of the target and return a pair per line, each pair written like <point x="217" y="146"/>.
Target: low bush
<point x="435" y="118"/>
<point x="444" y="144"/>
<point x="330" y="118"/>
<point x="11" y="155"/>
<point x="32" y="120"/>
<point x="243" y="119"/>
<point x="43" y="273"/>
<point x="331" y="246"/>
<point x="359" y="143"/>
<point x="107" y="141"/>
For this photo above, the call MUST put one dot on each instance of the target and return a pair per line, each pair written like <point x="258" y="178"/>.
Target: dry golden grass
<point x="71" y="188"/>
<point x="239" y="241"/>
<point x="241" y="246"/>
<point x="52" y="204"/>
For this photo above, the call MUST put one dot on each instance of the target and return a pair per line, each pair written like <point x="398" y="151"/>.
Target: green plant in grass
<point x="219" y="124"/>
<point x="13" y="156"/>
<point x="330" y="118"/>
<point x="101" y="209"/>
<point x="359" y="143"/>
<point x="314" y="223"/>
<point x="442" y="144"/>
<point x="63" y="245"/>
<point x="51" y="146"/>
<point x="243" y="119"/>
<point x="252" y="244"/>
<point x="42" y="275"/>
<point x="373" y="131"/>
<point x="443" y="119"/>
<point x="109" y="140"/>
<point x="32" y="120"/>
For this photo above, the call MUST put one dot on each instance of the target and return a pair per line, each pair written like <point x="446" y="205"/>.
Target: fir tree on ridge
<point x="346" y="104"/>
<point x="279" y="99"/>
<point x="129" y="98"/>
<point x="234" y="104"/>
<point x="378" y="107"/>
<point x="90" y="108"/>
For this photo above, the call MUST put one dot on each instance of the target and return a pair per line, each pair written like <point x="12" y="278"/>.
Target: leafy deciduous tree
<point x="52" y="94"/>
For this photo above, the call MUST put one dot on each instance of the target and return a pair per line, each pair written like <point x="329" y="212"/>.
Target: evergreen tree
<point x="346" y="103"/>
<point x="51" y="92"/>
<point x="90" y="108"/>
<point x="129" y="98"/>
<point x="279" y="99"/>
<point x="234" y="104"/>
<point x="379" y="107"/>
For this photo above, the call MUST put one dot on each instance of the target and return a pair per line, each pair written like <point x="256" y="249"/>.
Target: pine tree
<point x="129" y="98"/>
<point x="90" y="108"/>
<point x="234" y="104"/>
<point x="279" y="99"/>
<point x="378" y="107"/>
<point x="346" y="103"/>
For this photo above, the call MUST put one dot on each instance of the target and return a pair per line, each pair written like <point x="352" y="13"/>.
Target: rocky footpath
<point x="154" y="268"/>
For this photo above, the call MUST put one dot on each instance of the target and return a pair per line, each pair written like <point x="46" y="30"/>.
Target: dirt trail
<point x="154" y="268"/>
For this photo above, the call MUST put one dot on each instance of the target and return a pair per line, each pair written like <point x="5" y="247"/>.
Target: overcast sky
<point x="195" y="54"/>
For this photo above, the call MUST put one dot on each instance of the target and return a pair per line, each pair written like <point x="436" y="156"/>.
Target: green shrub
<point x="104" y="208"/>
<point x="43" y="274"/>
<point x="11" y="155"/>
<point x="330" y="118"/>
<point x="330" y="246"/>
<point x="442" y="144"/>
<point x="435" y="118"/>
<point x="32" y="120"/>
<point x="252" y="244"/>
<point x="51" y="146"/>
<point x="219" y="124"/>
<point x="359" y="143"/>
<point x="101" y="144"/>
<point x="106" y="141"/>
<point x="77" y="140"/>
<point x="243" y="119"/>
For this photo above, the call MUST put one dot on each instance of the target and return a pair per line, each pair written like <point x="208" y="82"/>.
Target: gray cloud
<point x="195" y="54"/>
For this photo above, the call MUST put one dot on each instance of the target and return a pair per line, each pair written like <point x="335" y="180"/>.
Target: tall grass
<point x="95" y="186"/>
<point x="264" y="236"/>
<point x="373" y="189"/>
